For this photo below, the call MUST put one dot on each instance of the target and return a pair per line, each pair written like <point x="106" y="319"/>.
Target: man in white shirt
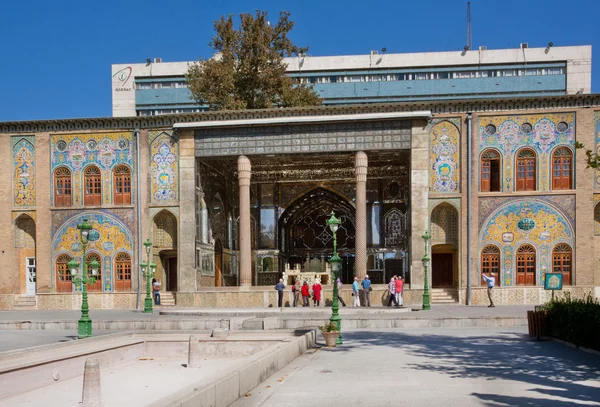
<point x="491" y="281"/>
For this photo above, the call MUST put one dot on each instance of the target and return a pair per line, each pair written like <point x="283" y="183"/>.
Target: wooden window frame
<point x="526" y="261"/>
<point x="527" y="161"/>
<point x="123" y="269"/>
<point x="62" y="187"/>
<point x="64" y="280"/>
<point x="490" y="262"/>
<point x="92" y="188"/>
<point x="490" y="177"/>
<point x="562" y="156"/>
<point x="122" y="185"/>
<point x="562" y="258"/>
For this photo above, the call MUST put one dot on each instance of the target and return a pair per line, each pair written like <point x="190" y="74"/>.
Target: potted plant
<point x="330" y="333"/>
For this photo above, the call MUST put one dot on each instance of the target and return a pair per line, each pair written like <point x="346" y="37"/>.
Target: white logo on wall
<point x="120" y="79"/>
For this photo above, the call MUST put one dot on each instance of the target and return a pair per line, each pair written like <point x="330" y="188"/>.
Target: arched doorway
<point x="25" y="242"/>
<point x="218" y="264"/>
<point x="165" y="249"/>
<point x="444" y="241"/>
<point x="305" y="238"/>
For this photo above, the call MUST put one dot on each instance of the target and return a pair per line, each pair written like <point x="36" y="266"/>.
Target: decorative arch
<point x="25" y="232"/>
<point x="562" y="168"/>
<point x="303" y="224"/>
<point x="165" y="230"/>
<point x="395" y="229"/>
<point x="444" y="224"/>
<point x="526" y="169"/>
<point x="490" y="171"/>
<point x="165" y="239"/>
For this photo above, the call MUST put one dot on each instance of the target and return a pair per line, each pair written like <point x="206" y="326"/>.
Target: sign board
<point x="553" y="281"/>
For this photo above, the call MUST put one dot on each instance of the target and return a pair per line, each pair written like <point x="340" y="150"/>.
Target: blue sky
<point x="56" y="55"/>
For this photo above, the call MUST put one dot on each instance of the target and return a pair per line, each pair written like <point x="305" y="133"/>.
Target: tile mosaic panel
<point x="444" y="156"/>
<point x="115" y="237"/>
<point x="542" y="133"/>
<point x="105" y="150"/>
<point x="164" y="167"/>
<point x="526" y="221"/>
<point x="304" y="138"/>
<point x="23" y="170"/>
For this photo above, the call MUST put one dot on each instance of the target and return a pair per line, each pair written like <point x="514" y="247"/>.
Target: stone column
<point x="419" y="200"/>
<point x="186" y="242"/>
<point x="244" y="171"/>
<point x="360" y="166"/>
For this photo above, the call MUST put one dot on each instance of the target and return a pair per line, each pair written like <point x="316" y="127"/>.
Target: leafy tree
<point x="592" y="159"/>
<point x="248" y="70"/>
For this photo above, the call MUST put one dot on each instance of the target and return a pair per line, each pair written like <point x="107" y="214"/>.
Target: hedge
<point x="575" y="320"/>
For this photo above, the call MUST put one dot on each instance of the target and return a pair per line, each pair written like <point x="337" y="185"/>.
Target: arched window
<point x="490" y="263"/>
<point x="93" y="186"/>
<point x="62" y="187"/>
<point x="526" y="265"/>
<point x="122" y="185"/>
<point x="122" y="272"/>
<point x="526" y="170"/>
<point x="63" y="274"/>
<point x="490" y="171"/>
<point x="561" y="261"/>
<point x="562" y="161"/>
<point x="97" y="286"/>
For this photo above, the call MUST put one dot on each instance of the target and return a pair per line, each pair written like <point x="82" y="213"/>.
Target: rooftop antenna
<point x="469" y="33"/>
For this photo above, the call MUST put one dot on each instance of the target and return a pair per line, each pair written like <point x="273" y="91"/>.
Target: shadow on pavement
<point x="553" y="367"/>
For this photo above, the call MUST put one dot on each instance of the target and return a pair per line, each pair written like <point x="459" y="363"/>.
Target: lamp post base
<point x="148" y="304"/>
<point x="426" y="302"/>
<point x="337" y="320"/>
<point x="84" y="328"/>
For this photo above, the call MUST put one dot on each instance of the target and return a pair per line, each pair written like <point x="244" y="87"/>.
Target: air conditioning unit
<point x="157" y="60"/>
<point x="524" y="45"/>
<point x="482" y="47"/>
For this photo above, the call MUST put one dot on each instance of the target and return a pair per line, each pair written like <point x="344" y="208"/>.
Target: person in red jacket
<point x="317" y="287"/>
<point x="305" y="294"/>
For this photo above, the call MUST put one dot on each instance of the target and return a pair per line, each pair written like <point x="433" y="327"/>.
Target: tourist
<point x="156" y="291"/>
<point x="280" y="287"/>
<point x="355" y="293"/>
<point x="399" y="288"/>
<point x="366" y="285"/>
<point x="339" y="286"/>
<point x="296" y="291"/>
<point x="392" y="291"/>
<point x="491" y="281"/>
<point x="316" y="288"/>
<point x="305" y="294"/>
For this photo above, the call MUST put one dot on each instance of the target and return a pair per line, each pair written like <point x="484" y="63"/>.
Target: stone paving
<point x="435" y="366"/>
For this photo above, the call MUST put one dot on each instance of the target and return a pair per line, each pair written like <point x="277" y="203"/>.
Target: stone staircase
<point x="167" y="299"/>
<point x="25" y="303"/>
<point x="444" y="295"/>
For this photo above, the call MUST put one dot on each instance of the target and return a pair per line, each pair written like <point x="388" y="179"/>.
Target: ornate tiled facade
<point x="23" y="171"/>
<point x="78" y="151"/>
<point x="526" y="221"/>
<point x="509" y="134"/>
<point x="164" y="167"/>
<point x="444" y="155"/>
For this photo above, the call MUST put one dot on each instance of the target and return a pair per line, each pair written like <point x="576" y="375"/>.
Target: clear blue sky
<point x="55" y="56"/>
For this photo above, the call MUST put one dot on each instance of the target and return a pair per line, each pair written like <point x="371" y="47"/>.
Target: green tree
<point x="248" y="70"/>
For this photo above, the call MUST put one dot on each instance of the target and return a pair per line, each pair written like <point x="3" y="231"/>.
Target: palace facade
<point x="233" y="201"/>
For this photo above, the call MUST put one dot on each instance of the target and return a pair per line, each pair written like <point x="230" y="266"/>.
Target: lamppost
<point x="336" y="265"/>
<point x="425" y="260"/>
<point x="84" y="326"/>
<point x="148" y="269"/>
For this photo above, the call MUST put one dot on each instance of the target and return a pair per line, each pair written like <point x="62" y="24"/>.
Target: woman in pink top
<point x="317" y="287"/>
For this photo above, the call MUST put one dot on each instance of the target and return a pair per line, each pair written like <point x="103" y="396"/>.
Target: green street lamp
<point x="336" y="265"/>
<point x="148" y="269"/>
<point x="425" y="260"/>
<point x="84" y="326"/>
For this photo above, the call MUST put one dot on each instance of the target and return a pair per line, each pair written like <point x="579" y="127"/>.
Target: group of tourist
<point x="362" y="289"/>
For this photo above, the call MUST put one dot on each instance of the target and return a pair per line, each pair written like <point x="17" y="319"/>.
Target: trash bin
<point x="537" y="321"/>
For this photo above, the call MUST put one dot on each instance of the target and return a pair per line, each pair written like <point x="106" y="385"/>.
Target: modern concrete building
<point x="156" y="87"/>
<point x="234" y="200"/>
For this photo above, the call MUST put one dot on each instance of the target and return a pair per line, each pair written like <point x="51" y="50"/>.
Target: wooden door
<point x="441" y="272"/>
<point x="172" y="265"/>
<point x="526" y="265"/>
<point x="63" y="275"/>
<point x="123" y="272"/>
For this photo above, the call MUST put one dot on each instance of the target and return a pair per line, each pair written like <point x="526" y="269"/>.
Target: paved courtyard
<point x="436" y="367"/>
